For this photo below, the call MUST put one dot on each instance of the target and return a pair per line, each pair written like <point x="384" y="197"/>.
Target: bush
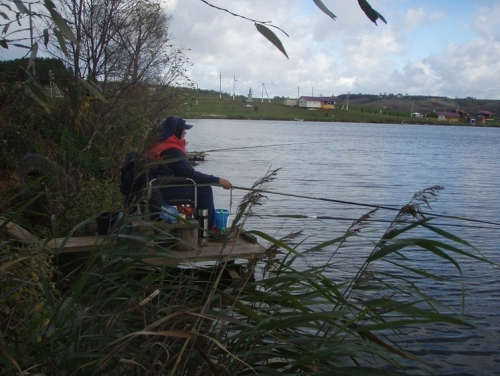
<point x="27" y="302"/>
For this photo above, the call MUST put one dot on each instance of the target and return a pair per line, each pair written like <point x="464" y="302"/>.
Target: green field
<point x="226" y="107"/>
<point x="210" y="105"/>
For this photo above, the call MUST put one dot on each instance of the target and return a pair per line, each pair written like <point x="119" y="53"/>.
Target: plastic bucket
<point x="221" y="216"/>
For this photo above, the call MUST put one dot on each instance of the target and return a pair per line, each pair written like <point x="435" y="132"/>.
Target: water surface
<point x="376" y="164"/>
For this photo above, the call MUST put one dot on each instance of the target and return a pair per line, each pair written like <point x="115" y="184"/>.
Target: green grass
<point x="210" y="106"/>
<point x="236" y="109"/>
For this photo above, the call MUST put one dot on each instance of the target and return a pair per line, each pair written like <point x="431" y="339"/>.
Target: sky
<point x="428" y="47"/>
<point x="445" y="48"/>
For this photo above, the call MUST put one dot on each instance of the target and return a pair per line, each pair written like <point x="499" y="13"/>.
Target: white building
<point x="290" y="102"/>
<point x="326" y="103"/>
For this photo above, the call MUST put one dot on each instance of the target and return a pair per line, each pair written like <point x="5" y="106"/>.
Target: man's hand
<point x="226" y="184"/>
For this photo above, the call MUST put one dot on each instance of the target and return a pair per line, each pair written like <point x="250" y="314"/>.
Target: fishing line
<point x="262" y="146"/>
<point x="362" y="205"/>
<point x="323" y="217"/>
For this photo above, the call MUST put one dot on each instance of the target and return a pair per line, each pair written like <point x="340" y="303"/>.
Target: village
<point x="479" y="117"/>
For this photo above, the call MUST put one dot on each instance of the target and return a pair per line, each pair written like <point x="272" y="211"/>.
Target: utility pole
<point x="262" y="97"/>
<point x="220" y="86"/>
<point x="269" y="100"/>
<point x="234" y="86"/>
<point x="298" y="92"/>
<point x="312" y="92"/>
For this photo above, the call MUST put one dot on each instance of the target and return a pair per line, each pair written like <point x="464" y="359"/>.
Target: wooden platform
<point x="233" y="249"/>
<point x="244" y="246"/>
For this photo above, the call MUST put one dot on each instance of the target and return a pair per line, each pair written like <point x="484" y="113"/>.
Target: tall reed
<point x="118" y="314"/>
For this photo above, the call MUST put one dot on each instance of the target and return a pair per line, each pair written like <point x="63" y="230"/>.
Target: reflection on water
<point x="376" y="164"/>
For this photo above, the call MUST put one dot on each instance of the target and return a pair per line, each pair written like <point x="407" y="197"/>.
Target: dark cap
<point x="174" y="125"/>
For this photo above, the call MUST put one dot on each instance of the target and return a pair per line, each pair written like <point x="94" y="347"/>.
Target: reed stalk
<point x="114" y="313"/>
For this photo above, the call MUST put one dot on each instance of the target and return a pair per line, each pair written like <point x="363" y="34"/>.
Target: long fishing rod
<point x="260" y="146"/>
<point x="361" y="204"/>
<point x="328" y="217"/>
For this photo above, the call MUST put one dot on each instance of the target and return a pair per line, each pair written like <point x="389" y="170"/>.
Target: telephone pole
<point x="234" y="86"/>
<point x="220" y="86"/>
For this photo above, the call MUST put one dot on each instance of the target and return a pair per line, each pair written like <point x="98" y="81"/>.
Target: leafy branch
<point x="263" y="27"/>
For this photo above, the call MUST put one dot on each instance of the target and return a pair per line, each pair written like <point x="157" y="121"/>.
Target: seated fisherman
<point x="171" y="148"/>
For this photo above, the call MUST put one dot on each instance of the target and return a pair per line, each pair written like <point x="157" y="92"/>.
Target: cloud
<point x="462" y="69"/>
<point x="483" y="21"/>
<point x="469" y="70"/>
<point x="427" y="48"/>
<point x="414" y="18"/>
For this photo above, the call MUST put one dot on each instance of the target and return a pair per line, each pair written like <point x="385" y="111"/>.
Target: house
<point x="290" y="102"/>
<point x="482" y="116"/>
<point x="325" y="103"/>
<point x="461" y="113"/>
<point x="445" y="116"/>
<point x="485" y="114"/>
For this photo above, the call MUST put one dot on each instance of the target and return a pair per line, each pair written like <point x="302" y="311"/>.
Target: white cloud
<point x="414" y="17"/>
<point x="426" y="48"/>
<point x="420" y="51"/>
<point x="484" y="24"/>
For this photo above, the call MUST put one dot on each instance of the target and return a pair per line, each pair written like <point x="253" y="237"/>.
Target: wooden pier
<point x="187" y="250"/>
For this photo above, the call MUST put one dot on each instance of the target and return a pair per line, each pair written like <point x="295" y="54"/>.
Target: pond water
<point x="349" y="164"/>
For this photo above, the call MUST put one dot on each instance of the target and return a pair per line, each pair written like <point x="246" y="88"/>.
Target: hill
<point x="421" y="104"/>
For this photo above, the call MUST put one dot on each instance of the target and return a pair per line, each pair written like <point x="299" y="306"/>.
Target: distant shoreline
<point x="224" y="117"/>
<point x="206" y="107"/>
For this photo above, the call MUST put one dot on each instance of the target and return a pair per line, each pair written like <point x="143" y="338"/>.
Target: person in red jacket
<point x="171" y="151"/>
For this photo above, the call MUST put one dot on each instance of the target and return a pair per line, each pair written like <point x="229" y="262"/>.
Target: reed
<point x="114" y="313"/>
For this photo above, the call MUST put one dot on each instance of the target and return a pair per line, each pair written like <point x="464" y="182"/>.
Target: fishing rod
<point x="261" y="146"/>
<point x="392" y="208"/>
<point x="327" y="217"/>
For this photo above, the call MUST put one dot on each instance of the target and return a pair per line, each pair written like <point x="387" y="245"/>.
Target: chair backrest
<point x="137" y="185"/>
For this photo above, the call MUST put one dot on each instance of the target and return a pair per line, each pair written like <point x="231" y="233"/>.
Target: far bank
<point x="227" y="108"/>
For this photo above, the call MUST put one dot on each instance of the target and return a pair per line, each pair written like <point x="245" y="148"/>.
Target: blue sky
<point x="443" y="47"/>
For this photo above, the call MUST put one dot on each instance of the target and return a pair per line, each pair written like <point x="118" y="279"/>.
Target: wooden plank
<point x="238" y="248"/>
<point x="73" y="244"/>
<point x="162" y="225"/>
<point x="234" y="249"/>
<point x="16" y="231"/>
<point x="78" y="244"/>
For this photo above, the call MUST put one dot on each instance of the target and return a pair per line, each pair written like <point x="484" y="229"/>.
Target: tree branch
<point x="267" y="23"/>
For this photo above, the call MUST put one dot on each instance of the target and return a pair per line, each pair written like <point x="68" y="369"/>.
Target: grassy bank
<point x="226" y="107"/>
<point x="211" y="106"/>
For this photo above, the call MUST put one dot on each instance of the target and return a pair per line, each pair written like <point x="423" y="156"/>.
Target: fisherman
<point x="171" y="148"/>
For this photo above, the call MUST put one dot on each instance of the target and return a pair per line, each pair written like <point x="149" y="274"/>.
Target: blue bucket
<point x="221" y="216"/>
